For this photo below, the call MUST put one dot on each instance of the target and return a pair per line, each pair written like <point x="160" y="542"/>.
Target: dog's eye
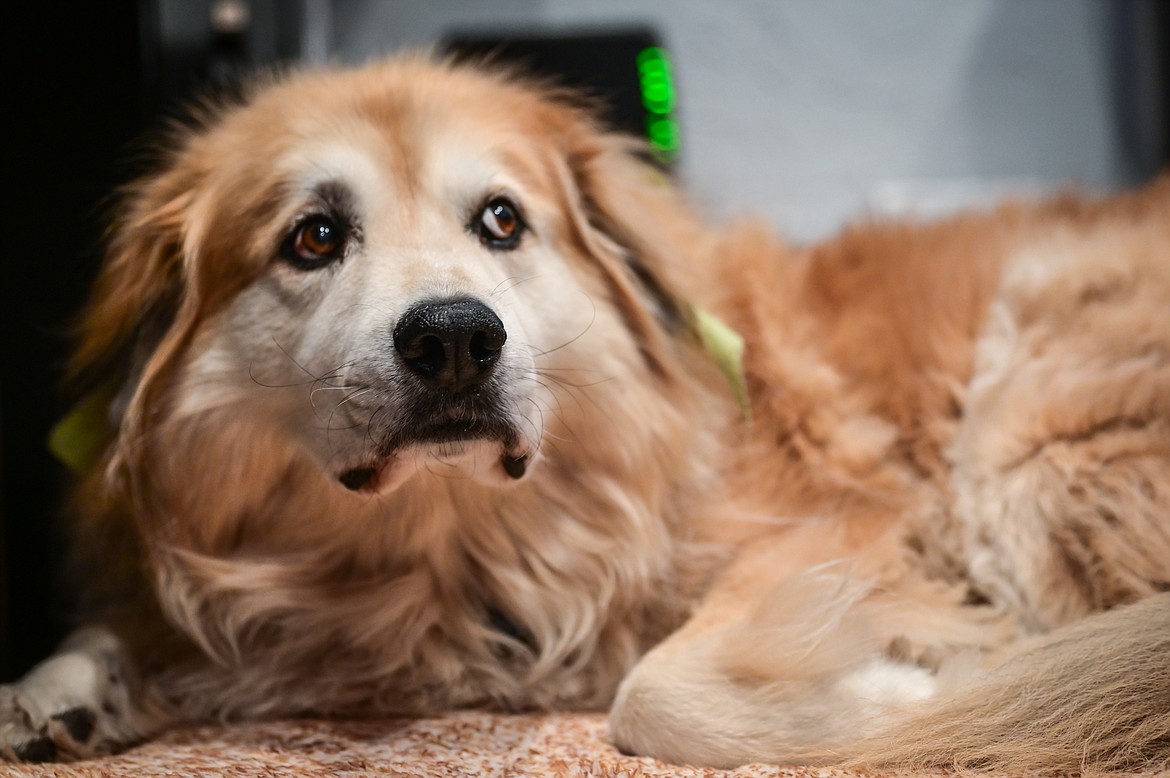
<point x="500" y="225"/>
<point x="314" y="243"/>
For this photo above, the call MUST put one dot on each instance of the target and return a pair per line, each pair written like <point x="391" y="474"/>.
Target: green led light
<point x="663" y="133"/>
<point x="654" y="77"/>
<point x="658" y="97"/>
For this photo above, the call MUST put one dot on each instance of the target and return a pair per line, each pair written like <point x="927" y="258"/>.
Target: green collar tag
<point x="725" y="346"/>
<point x="78" y="439"/>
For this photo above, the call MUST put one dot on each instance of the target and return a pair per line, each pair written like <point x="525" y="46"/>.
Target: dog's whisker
<point x="573" y="391"/>
<point x="293" y="359"/>
<point x="329" y="426"/>
<point x="551" y="388"/>
<point x="353" y="395"/>
<point x="557" y="413"/>
<point x="374" y="442"/>
<point x="267" y="385"/>
<point x="325" y="378"/>
<point x="560" y="381"/>
<point x="452" y="471"/>
<point x="344" y="387"/>
<point x="571" y="370"/>
<point x="536" y="352"/>
<point x="540" y="430"/>
<point x="512" y="281"/>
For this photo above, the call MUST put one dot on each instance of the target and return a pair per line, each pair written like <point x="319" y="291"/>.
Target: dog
<point x="422" y="390"/>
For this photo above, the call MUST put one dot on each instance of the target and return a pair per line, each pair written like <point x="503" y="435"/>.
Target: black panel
<point x="601" y="65"/>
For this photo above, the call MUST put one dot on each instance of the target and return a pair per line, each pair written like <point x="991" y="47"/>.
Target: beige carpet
<point x="464" y="744"/>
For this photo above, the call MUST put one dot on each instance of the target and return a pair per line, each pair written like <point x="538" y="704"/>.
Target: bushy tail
<point x="1092" y="697"/>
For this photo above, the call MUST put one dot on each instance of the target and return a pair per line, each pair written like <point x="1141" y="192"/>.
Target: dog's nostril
<point x="426" y="353"/>
<point x="450" y="344"/>
<point x="485" y="345"/>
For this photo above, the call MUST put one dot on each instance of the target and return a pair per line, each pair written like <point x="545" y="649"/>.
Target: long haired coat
<point x="411" y="410"/>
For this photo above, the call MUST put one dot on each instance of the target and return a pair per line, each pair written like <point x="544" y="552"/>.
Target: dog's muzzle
<point x="448" y="351"/>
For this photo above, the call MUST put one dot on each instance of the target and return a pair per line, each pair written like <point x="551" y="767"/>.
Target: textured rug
<point x="465" y="744"/>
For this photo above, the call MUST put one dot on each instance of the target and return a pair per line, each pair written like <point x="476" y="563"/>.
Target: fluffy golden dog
<point x="411" y="409"/>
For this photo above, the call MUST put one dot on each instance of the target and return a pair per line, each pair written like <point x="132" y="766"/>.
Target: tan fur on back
<point x="960" y="437"/>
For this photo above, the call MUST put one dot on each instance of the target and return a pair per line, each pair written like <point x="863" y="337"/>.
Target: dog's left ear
<point x="632" y="220"/>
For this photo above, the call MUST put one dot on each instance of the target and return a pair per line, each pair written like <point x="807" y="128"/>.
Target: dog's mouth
<point x="449" y="439"/>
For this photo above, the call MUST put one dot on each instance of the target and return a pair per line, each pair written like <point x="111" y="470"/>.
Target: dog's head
<point x="401" y="266"/>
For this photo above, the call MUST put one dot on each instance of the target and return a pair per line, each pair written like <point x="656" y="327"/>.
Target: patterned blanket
<point x="565" y="745"/>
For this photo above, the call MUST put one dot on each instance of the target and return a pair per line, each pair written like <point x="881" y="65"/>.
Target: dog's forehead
<point x="357" y="159"/>
<point x="459" y="134"/>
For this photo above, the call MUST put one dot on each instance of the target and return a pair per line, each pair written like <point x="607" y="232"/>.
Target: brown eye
<point x="500" y="225"/>
<point x="315" y="242"/>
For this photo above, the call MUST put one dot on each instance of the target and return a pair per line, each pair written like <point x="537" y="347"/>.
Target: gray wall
<point x="813" y="111"/>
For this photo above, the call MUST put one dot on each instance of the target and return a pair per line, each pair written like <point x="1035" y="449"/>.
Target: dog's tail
<point x="1093" y="697"/>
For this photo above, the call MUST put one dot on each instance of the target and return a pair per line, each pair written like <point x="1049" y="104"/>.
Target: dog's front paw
<point x="29" y="733"/>
<point x="76" y="704"/>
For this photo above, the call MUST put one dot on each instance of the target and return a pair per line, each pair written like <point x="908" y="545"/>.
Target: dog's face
<point x="417" y="274"/>
<point x="395" y="302"/>
<point x="402" y="270"/>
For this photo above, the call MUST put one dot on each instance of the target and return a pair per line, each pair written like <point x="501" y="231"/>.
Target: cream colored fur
<point x="960" y="440"/>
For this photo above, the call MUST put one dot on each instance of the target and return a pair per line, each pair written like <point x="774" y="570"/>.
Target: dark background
<point x="75" y="98"/>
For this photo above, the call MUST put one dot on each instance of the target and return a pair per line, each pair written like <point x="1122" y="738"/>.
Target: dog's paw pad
<point x="28" y="735"/>
<point x="70" y="734"/>
<point x="40" y="749"/>
<point x="78" y="723"/>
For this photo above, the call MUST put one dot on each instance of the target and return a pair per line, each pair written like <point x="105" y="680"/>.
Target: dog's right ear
<point x="138" y="291"/>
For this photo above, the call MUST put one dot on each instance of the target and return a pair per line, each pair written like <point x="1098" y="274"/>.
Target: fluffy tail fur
<point x="1092" y="697"/>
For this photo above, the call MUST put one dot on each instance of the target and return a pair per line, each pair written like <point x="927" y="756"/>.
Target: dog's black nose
<point x="450" y="344"/>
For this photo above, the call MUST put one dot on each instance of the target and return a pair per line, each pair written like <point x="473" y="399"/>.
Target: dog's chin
<point x="493" y="462"/>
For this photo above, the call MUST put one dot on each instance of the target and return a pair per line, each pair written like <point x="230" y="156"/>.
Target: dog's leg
<point x="785" y="682"/>
<point x="787" y="670"/>
<point x="81" y="702"/>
